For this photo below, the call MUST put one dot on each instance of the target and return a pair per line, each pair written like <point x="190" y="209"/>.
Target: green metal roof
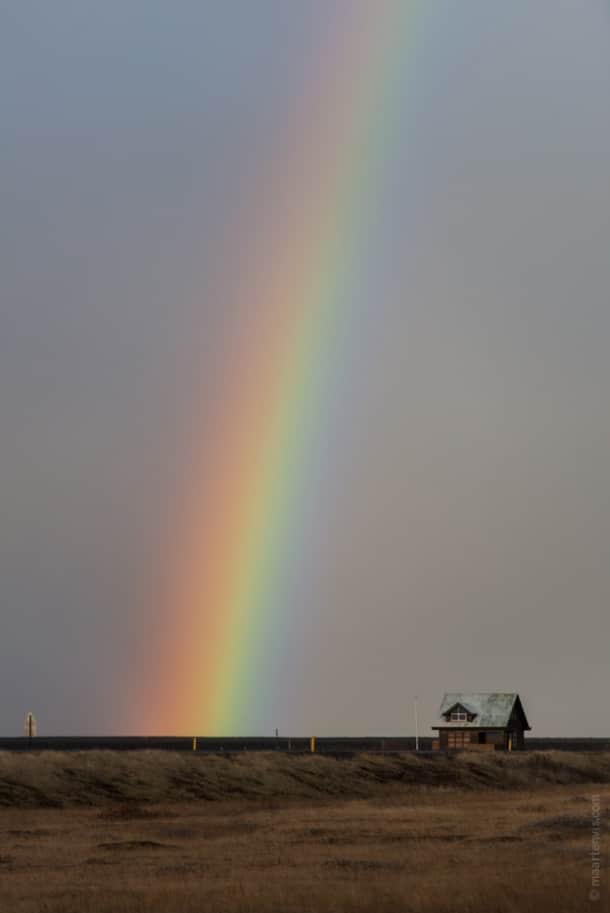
<point x="492" y="710"/>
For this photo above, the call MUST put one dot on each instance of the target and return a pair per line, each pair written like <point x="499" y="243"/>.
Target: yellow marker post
<point x="195" y="744"/>
<point x="312" y="744"/>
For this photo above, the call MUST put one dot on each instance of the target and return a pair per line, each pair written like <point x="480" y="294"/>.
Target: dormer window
<point x="460" y="713"/>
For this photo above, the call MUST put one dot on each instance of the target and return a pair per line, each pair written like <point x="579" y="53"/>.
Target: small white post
<point x="30" y="728"/>
<point x="416" y="723"/>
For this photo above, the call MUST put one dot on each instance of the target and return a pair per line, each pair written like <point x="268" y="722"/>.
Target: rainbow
<point x="227" y="595"/>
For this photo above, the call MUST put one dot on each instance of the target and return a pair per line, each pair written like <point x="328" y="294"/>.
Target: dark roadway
<point x="327" y="745"/>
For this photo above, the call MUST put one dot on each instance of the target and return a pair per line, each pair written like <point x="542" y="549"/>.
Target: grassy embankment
<point x="90" y="778"/>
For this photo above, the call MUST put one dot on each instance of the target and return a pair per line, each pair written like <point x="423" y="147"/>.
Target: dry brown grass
<point x="98" y="777"/>
<point x="402" y="847"/>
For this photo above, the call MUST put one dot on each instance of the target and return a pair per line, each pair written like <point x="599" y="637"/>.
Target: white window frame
<point x="458" y="716"/>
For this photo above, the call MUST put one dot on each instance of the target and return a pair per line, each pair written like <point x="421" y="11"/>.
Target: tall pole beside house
<point x="416" y="723"/>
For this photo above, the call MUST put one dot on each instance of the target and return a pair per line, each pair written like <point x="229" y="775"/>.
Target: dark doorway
<point x="482" y="738"/>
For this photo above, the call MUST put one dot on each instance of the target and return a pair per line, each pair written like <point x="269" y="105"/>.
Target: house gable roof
<point x="492" y="710"/>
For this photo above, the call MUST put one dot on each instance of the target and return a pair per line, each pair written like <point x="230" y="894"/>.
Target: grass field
<point x="148" y="833"/>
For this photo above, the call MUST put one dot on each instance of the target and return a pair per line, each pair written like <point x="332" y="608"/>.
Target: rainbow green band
<point x="226" y="599"/>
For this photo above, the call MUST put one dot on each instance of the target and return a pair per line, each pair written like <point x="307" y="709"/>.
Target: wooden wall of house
<point x="455" y="739"/>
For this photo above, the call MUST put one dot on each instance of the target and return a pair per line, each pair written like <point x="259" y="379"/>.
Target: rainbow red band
<point x="224" y="598"/>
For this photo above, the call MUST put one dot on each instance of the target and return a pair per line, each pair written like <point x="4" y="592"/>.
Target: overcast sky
<point x="464" y="518"/>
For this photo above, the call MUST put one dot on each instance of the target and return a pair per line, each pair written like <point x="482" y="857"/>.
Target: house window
<point x="458" y="739"/>
<point x="458" y="716"/>
<point x="513" y="740"/>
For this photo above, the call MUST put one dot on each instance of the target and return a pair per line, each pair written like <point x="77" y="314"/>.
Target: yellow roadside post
<point x="195" y="743"/>
<point x="312" y="744"/>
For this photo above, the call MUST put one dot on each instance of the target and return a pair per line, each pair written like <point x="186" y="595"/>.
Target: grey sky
<point x="462" y="539"/>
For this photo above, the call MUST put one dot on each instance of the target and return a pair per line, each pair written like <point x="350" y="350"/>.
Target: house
<point x="481" y="721"/>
